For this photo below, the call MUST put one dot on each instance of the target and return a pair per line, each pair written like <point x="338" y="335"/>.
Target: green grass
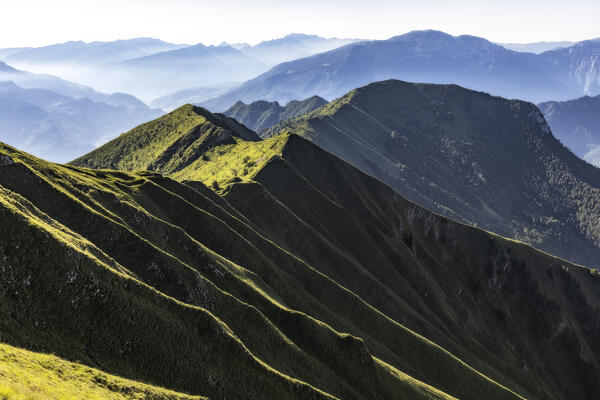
<point x="25" y="375"/>
<point x="223" y="165"/>
<point x="168" y="143"/>
<point x="140" y="146"/>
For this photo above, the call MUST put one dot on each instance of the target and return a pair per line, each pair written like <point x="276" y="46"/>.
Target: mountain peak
<point x="422" y="34"/>
<point x="168" y="143"/>
<point x="261" y="114"/>
<point x="300" y="36"/>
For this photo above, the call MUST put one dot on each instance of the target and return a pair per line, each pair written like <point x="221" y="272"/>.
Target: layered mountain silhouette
<point x="296" y="276"/>
<point x="129" y="65"/>
<point x="431" y="57"/>
<point x="175" y="70"/>
<point x="194" y="95"/>
<point x="29" y="80"/>
<point x="576" y="123"/>
<point x="476" y="158"/>
<point x="536" y="47"/>
<point x="264" y="114"/>
<point x="70" y="58"/>
<point x="291" y="47"/>
<point x="63" y="123"/>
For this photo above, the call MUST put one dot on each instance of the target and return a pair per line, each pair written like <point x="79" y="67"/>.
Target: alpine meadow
<point x="199" y="202"/>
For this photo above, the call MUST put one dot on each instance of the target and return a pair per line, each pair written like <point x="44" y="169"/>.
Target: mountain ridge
<point x="289" y="325"/>
<point x="412" y="136"/>
<point x="271" y="206"/>
<point x="261" y="114"/>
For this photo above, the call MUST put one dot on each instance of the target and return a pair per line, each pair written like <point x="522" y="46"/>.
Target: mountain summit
<point x="169" y="143"/>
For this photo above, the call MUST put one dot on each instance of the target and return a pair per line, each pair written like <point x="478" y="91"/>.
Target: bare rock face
<point x="6" y="160"/>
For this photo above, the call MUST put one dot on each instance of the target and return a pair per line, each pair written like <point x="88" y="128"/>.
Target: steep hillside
<point x="168" y="143"/>
<point x="322" y="238"/>
<point x="26" y="375"/>
<point x="166" y="283"/>
<point x="576" y="123"/>
<point x="63" y="87"/>
<point x="263" y="114"/>
<point x="429" y="57"/>
<point x="473" y="157"/>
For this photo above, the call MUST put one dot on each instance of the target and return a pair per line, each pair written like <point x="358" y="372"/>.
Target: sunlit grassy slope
<point x="298" y="276"/>
<point x="169" y="142"/>
<point x="109" y="282"/>
<point x="25" y="375"/>
<point x="230" y="163"/>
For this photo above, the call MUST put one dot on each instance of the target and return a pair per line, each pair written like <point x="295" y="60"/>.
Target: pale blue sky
<point x="39" y="22"/>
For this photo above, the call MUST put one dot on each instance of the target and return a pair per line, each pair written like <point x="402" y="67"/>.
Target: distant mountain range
<point x="68" y="60"/>
<point x="299" y="66"/>
<point x="537" y="47"/>
<point x="194" y="95"/>
<point x="261" y="115"/>
<point x="130" y="65"/>
<point x="163" y="73"/>
<point x="291" y="47"/>
<point x="431" y="57"/>
<point x="576" y="123"/>
<point x="476" y="158"/>
<point x="60" y="120"/>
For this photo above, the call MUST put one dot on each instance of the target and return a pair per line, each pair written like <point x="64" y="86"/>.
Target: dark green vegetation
<point x="353" y="289"/>
<point x="476" y="158"/>
<point x="576" y="123"/>
<point x="263" y="114"/>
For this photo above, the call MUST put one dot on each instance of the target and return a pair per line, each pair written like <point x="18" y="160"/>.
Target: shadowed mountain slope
<point x="476" y="158"/>
<point x="164" y="282"/>
<point x="263" y="114"/>
<point x="341" y="247"/>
